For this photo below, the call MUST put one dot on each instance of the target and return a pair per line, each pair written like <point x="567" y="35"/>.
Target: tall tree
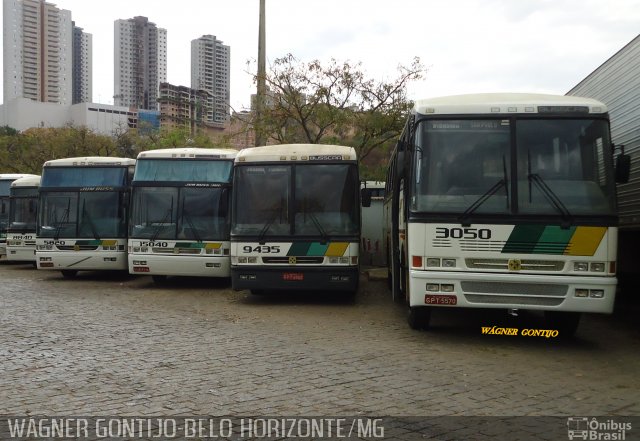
<point x="335" y="102"/>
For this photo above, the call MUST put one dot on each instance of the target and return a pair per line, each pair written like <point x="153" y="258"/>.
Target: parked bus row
<point x="491" y="201"/>
<point x="292" y="220"/>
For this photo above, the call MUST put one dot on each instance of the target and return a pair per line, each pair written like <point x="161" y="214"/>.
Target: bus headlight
<point x="433" y="262"/>
<point x="449" y="263"/>
<point x="242" y="259"/>
<point x="597" y="267"/>
<point x="596" y="293"/>
<point x="581" y="266"/>
<point x="582" y="292"/>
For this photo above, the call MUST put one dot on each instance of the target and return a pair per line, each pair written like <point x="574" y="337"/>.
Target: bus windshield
<point x="188" y="213"/>
<point x="23" y="209"/>
<point x="304" y="200"/>
<point x="94" y="215"/>
<point x="70" y="177"/>
<point x="183" y="170"/>
<point x="562" y="167"/>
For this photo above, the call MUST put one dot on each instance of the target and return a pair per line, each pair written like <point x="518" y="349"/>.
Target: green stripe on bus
<point x="523" y="239"/>
<point x="299" y="249"/>
<point x="554" y="240"/>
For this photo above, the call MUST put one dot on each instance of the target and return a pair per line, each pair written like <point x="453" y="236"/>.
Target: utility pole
<point x="262" y="89"/>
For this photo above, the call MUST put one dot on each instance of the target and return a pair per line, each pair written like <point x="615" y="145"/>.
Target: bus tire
<point x="396" y="282"/>
<point x="159" y="278"/>
<point x="566" y="323"/>
<point x="69" y="274"/>
<point x="419" y="317"/>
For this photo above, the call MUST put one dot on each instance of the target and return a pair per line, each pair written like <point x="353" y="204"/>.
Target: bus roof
<point x="296" y="152"/>
<point x="189" y="153"/>
<point x="26" y="181"/>
<point x="13" y="176"/>
<point x="89" y="161"/>
<point x="506" y="103"/>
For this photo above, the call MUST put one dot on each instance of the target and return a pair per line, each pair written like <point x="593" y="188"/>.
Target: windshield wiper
<point x="548" y="193"/>
<point x="504" y="182"/>
<point x="316" y="222"/>
<point x="85" y="214"/>
<point x="64" y="219"/>
<point x="266" y="227"/>
<point x="160" y="225"/>
<point x="186" y="217"/>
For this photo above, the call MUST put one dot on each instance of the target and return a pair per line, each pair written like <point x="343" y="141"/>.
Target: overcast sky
<point x="467" y="45"/>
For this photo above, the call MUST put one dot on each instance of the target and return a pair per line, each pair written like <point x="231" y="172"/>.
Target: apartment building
<point x="37" y="52"/>
<point x="211" y="72"/>
<point x="82" y="73"/>
<point x="183" y="107"/>
<point x="140" y="63"/>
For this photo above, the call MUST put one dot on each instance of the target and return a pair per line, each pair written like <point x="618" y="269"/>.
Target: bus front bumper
<point x="192" y="266"/>
<point x="277" y="278"/>
<point x="520" y="291"/>
<point x="82" y="260"/>
<point x="21" y="254"/>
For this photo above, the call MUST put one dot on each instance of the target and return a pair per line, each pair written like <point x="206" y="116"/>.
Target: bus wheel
<point x="566" y="323"/>
<point x="419" y="317"/>
<point x="397" y="282"/>
<point x="159" y="278"/>
<point x="69" y="274"/>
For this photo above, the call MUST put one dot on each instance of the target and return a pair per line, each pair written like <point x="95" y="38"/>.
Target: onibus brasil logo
<point x="594" y="429"/>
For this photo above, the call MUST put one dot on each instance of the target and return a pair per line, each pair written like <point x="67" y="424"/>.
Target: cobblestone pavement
<point x="120" y="345"/>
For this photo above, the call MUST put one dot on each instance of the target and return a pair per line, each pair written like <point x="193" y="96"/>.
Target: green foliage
<point x="337" y="104"/>
<point x="25" y="152"/>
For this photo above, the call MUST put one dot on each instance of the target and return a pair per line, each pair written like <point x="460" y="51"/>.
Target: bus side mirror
<point x="365" y="197"/>
<point x="400" y="165"/>
<point x="623" y="168"/>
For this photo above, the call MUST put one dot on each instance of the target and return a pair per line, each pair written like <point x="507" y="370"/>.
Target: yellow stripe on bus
<point x="585" y="241"/>
<point x="336" y="249"/>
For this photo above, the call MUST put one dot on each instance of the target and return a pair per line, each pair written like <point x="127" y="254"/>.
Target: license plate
<point x="293" y="276"/>
<point x="440" y="299"/>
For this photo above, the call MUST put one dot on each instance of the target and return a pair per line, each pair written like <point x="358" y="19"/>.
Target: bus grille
<point x="77" y="247"/>
<point x="525" y="264"/>
<point x="514" y="289"/>
<point x="176" y="250"/>
<point x="299" y="260"/>
<point x="513" y="300"/>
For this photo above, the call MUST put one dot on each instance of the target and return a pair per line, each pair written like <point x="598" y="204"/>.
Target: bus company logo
<point x="594" y="429"/>
<point x="515" y="265"/>
<point x="292" y="260"/>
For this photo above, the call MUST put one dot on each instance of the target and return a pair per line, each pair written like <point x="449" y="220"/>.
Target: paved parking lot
<point x="107" y="344"/>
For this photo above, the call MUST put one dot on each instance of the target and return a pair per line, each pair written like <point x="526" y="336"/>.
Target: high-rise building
<point x="140" y="63"/>
<point x="82" y="66"/>
<point x="37" y="51"/>
<point x="210" y="71"/>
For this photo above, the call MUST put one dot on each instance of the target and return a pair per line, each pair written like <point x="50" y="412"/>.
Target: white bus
<point x="82" y="214"/>
<point x="504" y="201"/>
<point x="180" y="213"/>
<point x="23" y="212"/>
<point x="5" y="189"/>
<point x="295" y="222"/>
